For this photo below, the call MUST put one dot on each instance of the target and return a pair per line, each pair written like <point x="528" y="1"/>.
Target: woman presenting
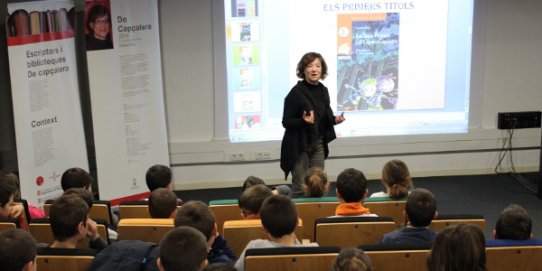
<point x="308" y="120"/>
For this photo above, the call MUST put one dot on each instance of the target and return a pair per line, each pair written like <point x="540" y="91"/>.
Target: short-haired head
<point x="252" y="181"/>
<point x="421" y="207"/>
<point x="278" y="215"/>
<point x="251" y="199"/>
<point x="192" y="245"/>
<point x="307" y="59"/>
<point x="17" y="249"/>
<point x="352" y="259"/>
<point x="458" y="247"/>
<point x="83" y="193"/>
<point x="75" y="178"/>
<point x="351" y="185"/>
<point x="65" y="215"/>
<point x="8" y="188"/>
<point x="162" y="203"/>
<point x="315" y="182"/>
<point x="396" y="177"/>
<point x="514" y="223"/>
<point x="158" y="176"/>
<point x="198" y="215"/>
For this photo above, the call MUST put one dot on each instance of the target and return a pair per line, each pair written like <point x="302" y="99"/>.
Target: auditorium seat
<point x="444" y="220"/>
<point x="348" y="232"/>
<point x="144" y="229"/>
<point x="290" y="258"/>
<point x="398" y="257"/>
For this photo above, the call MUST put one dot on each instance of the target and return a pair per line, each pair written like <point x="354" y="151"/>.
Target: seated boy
<point x="279" y="220"/>
<point x="18" y="208"/>
<point x="183" y="248"/>
<point x="8" y="191"/>
<point x="76" y="178"/>
<point x="17" y="250"/>
<point x="351" y="190"/>
<point x="70" y="224"/>
<point x="197" y="214"/>
<point x="513" y="228"/>
<point x="162" y="203"/>
<point x="158" y="176"/>
<point x="420" y="210"/>
<point x="251" y="200"/>
<point x="279" y="189"/>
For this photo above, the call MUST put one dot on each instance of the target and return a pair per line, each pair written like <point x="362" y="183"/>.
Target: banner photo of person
<point x="45" y="92"/>
<point x="125" y="77"/>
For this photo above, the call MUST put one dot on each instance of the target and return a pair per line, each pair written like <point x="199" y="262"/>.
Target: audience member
<point x="279" y="220"/>
<point x="17" y="250"/>
<point x="420" y="210"/>
<point x="76" y="178"/>
<point x="352" y="259"/>
<point x="279" y="189"/>
<point x="183" y="249"/>
<point x="316" y="184"/>
<point x="162" y="203"/>
<point x="18" y="208"/>
<point x="396" y="178"/>
<point x="70" y="224"/>
<point x="197" y="214"/>
<point x="8" y="192"/>
<point x="159" y="176"/>
<point x="458" y="248"/>
<point x="251" y="200"/>
<point x="513" y="227"/>
<point x="351" y="190"/>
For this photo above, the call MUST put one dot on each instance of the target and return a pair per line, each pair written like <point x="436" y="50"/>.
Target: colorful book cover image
<point x="367" y="61"/>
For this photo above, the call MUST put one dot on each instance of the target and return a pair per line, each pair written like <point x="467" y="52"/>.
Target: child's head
<point x="158" y="176"/>
<point x="17" y="250"/>
<point x="351" y="185"/>
<point x="421" y="207"/>
<point x="315" y="183"/>
<point x="198" y="215"/>
<point x="183" y="248"/>
<point x="278" y="215"/>
<point x="75" y="178"/>
<point x="458" y="247"/>
<point x="396" y="178"/>
<point x="162" y="203"/>
<point x="68" y="216"/>
<point x="352" y="259"/>
<point x="251" y="200"/>
<point x="83" y="193"/>
<point x="8" y="190"/>
<point x="514" y="223"/>
<point x="252" y="181"/>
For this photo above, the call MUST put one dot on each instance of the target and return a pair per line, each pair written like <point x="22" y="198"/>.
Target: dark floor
<point x="472" y="194"/>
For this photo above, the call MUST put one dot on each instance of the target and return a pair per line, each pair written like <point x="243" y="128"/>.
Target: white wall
<point x="507" y="68"/>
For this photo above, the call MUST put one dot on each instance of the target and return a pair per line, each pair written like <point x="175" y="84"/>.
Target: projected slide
<point x="394" y="67"/>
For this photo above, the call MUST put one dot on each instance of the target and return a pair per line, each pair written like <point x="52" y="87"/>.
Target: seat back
<point x="291" y="258"/>
<point x="239" y="232"/>
<point x="134" y="209"/>
<point x="348" y="232"/>
<point x="310" y="211"/>
<point x="443" y="221"/>
<point x="8" y="223"/>
<point x="525" y="258"/>
<point x="41" y="230"/>
<point x="101" y="210"/>
<point x="224" y="213"/>
<point x="398" y="257"/>
<point x="389" y="208"/>
<point x="63" y="262"/>
<point x="144" y="229"/>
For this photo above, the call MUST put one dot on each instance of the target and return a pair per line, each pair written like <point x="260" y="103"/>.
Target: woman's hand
<point x="308" y="118"/>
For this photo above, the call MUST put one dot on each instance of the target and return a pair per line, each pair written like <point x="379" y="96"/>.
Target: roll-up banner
<point x="125" y="75"/>
<point x="47" y="109"/>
